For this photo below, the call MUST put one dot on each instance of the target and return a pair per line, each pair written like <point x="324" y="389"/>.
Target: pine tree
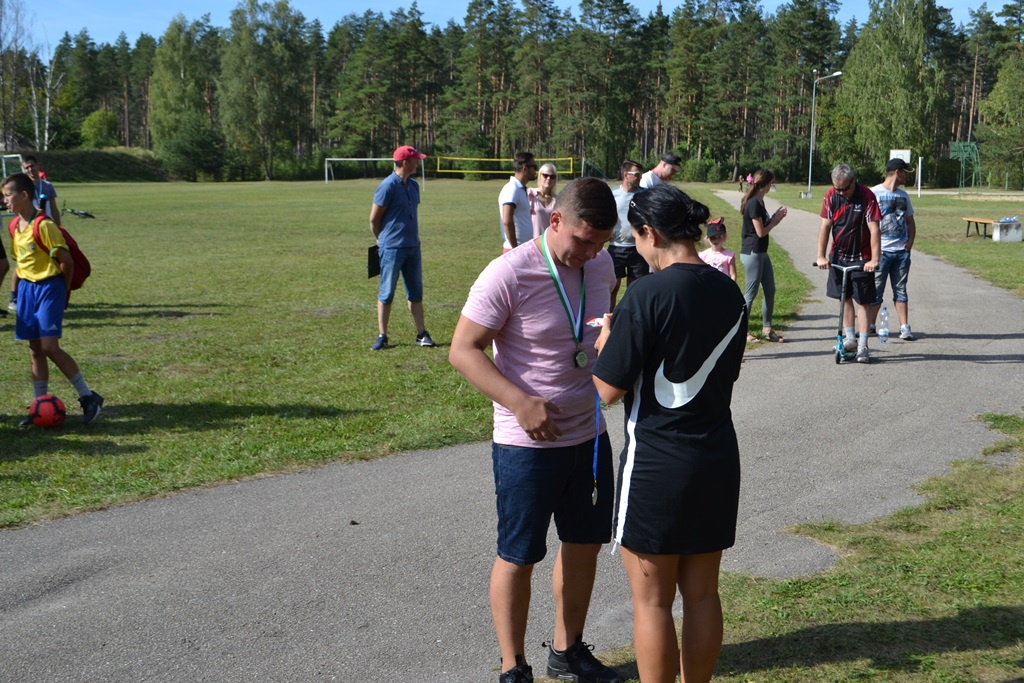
<point x="261" y="82"/>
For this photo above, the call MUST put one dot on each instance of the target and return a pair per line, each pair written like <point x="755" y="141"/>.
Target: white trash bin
<point x="1007" y="232"/>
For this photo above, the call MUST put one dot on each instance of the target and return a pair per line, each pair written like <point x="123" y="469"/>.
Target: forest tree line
<point x="721" y="82"/>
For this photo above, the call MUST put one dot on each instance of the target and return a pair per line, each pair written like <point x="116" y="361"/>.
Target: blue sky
<point x="105" y="19"/>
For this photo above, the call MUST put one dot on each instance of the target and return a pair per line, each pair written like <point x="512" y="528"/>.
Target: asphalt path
<point x="378" y="571"/>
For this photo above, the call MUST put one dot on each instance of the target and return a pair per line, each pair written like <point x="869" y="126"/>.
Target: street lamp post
<point x="810" y="155"/>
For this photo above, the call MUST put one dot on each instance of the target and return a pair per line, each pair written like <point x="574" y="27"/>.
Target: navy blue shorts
<point x="628" y="262"/>
<point x="533" y="485"/>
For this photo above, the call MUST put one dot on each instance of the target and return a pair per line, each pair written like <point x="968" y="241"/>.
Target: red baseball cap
<point x="407" y="152"/>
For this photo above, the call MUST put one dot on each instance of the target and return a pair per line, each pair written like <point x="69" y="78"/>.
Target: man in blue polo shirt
<point x="394" y="223"/>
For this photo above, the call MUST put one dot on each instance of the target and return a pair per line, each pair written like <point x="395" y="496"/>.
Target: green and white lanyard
<point x="579" y="358"/>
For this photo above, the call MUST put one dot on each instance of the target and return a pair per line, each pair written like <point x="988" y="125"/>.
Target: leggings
<point x="758" y="268"/>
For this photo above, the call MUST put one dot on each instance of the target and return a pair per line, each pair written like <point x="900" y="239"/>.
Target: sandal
<point x="751" y="339"/>
<point x="772" y="337"/>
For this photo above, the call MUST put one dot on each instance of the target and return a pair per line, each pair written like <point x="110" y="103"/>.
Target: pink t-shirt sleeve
<point x="490" y="299"/>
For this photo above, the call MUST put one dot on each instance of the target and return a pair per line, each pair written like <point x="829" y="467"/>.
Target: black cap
<point x="716" y="227"/>
<point x="672" y="159"/>
<point x="897" y="165"/>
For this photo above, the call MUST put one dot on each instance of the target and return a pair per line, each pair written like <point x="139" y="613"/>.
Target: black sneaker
<point x="381" y="343"/>
<point x="26" y="423"/>
<point x="519" y="674"/>
<point x="424" y="339"/>
<point x="579" y="665"/>
<point x="91" y="406"/>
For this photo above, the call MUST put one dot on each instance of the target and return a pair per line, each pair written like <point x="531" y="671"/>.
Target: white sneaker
<point x="905" y="333"/>
<point x="862" y="355"/>
<point x="849" y="345"/>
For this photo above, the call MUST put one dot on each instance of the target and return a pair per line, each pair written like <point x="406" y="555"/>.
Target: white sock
<point x="80" y="386"/>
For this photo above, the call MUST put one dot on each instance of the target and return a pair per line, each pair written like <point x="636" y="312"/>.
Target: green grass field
<point x="229" y="325"/>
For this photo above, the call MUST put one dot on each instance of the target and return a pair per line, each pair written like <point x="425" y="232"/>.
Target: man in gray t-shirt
<point x="628" y="263"/>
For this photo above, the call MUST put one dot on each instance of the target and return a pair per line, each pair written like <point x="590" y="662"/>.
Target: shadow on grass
<point x="894" y="646"/>
<point x="119" y="420"/>
<point x="97" y="311"/>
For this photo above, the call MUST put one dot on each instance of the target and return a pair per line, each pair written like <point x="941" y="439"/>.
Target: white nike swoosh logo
<point x="673" y="395"/>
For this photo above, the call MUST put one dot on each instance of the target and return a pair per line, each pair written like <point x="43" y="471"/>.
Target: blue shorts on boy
<point x="40" y="309"/>
<point x="535" y="484"/>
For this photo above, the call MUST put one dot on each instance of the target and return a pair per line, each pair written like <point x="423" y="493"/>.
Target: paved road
<point x="378" y="571"/>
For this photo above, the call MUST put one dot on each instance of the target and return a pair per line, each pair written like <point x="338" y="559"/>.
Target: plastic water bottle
<point x="883" y="326"/>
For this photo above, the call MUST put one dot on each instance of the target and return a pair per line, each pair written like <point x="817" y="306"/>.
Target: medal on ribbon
<point x="579" y="356"/>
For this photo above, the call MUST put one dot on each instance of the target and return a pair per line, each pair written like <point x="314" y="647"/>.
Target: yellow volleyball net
<point x="567" y="167"/>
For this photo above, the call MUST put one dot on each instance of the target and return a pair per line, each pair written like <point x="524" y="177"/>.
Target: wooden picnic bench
<point x="976" y="222"/>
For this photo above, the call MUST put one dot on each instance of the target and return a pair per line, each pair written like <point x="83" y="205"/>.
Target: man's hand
<point x="467" y="355"/>
<point x="533" y="414"/>
<point x="508" y="223"/>
<point x="871" y="266"/>
<point x="606" y="329"/>
<point x="822" y="263"/>
<point x="376" y="220"/>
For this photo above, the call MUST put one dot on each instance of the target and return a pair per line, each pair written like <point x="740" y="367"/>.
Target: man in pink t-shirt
<point x="551" y="455"/>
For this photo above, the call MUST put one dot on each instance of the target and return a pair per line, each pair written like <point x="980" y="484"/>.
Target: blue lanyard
<point x="597" y="435"/>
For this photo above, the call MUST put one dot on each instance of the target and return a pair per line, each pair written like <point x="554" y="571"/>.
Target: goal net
<point x="11" y="164"/>
<point x="482" y="167"/>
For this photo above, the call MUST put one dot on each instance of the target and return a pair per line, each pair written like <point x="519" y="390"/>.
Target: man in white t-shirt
<point x="551" y="454"/>
<point x="514" y="204"/>
<point x="669" y="165"/>
<point x="628" y="263"/>
<point x="898" y="229"/>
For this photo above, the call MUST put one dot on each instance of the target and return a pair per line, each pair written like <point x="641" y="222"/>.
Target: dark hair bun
<point x="670" y="211"/>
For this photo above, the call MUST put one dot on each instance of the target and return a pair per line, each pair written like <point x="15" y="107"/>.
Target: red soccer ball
<point x="47" y="411"/>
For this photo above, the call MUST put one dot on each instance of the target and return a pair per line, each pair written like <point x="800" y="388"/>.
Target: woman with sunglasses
<point x="672" y="350"/>
<point x="542" y="200"/>
<point x="757" y="266"/>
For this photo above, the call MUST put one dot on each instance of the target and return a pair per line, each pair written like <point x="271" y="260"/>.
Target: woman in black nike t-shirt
<point x="673" y="351"/>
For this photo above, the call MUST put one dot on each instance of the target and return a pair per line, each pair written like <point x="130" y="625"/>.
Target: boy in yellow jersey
<point x="45" y="276"/>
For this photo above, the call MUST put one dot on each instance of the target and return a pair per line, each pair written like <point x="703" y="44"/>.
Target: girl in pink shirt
<point x="717" y="256"/>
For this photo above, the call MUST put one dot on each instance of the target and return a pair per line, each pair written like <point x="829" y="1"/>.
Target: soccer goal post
<point x="366" y="167"/>
<point x="11" y="162"/>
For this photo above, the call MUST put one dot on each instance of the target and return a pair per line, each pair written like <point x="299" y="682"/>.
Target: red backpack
<point x="82" y="267"/>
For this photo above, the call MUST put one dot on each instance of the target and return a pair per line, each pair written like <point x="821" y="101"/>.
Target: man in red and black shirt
<point x="850" y="214"/>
